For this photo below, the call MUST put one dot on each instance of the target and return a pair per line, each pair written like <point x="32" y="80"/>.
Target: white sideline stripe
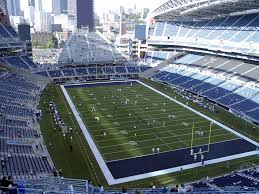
<point x="89" y="140"/>
<point x="105" y="170"/>
<point x="141" y="135"/>
<point x="202" y="115"/>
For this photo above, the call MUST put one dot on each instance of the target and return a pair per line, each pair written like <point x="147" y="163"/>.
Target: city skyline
<point x="102" y="5"/>
<point x="45" y="15"/>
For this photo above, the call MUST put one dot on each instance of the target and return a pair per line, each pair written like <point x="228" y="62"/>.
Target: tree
<point x="54" y="41"/>
<point x="35" y="44"/>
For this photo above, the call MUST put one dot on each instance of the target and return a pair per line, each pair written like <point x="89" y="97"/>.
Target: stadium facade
<point x="189" y="109"/>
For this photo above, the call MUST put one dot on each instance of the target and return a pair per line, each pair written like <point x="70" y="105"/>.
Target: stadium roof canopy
<point x="188" y="10"/>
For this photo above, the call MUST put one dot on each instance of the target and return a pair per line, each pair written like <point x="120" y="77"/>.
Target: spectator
<point x="173" y="190"/>
<point x="182" y="189"/>
<point x="164" y="190"/>
<point x="137" y="192"/>
<point x="5" y="184"/>
<point x="101" y="189"/>
<point x="90" y="187"/>
<point x="124" y="190"/>
<point x="12" y="185"/>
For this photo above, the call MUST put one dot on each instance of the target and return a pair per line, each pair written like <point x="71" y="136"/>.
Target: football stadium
<point x="180" y="116"/>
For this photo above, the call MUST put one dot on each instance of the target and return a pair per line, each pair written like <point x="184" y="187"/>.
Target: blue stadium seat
<point x="55" y="73"/>
<point x="17" y="62"/>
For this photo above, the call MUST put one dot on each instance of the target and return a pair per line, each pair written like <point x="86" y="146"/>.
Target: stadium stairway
<point x="152" y="71"/>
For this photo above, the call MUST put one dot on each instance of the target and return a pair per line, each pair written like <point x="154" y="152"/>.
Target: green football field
<point x="130" y="120"/>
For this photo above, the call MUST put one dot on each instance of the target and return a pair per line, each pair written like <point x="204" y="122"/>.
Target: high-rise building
<point x="56" y="7"/>
<point x="140" y="31"/>
<point x="24" y="32"/>
<point x="85" y="14"/>
<point x="71" y="7"/>
<point x="24" y="4"/>
<point x="46" y="21"/>
<point x="29" y="14"/>
<point x="38" y="5"/>
<point x="63" y="6"/>
<point x="47" y="5"/>
<point x="13" y="7"/>
<point x="43" y="19"/>
<point x="32" y="3"/>
<point x="37" y="15"/>
<point x="122" y="24"/>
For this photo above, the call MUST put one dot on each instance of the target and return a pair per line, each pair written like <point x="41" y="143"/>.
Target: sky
<point x="115" y="4"/>
<point x="101" y="5"/>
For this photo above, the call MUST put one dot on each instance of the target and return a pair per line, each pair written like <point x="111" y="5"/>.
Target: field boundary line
<point x="104" y="168"/>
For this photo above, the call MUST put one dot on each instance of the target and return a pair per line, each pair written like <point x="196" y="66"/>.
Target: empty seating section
<point x="55" y="73"/>
<point x="171" y="30"/>
<point x="160" y="55"/>
<point x="133" y="69"/>
<point x="254" y="114"/>
<point x="69" y="72"/>
<point x="22" y="153"/>
<point x="85" y="48"/>
<point x="244" y="181"/>
<point x="120" y="69"/>
<point x="17" y="62"/>
<point x="151" y="32"/>
<point x="155" y="57"/>
<point x="220" y="33"/>
<point x="144" y="68"/>
<point x="159" y="29"/>
<point x="3" y="32"/>
<point x="16" y="44"/>
<point x="208" y="76"/>
<point x="23" y="62"/>
<point x="189" y="59"/>
<point x="42" y="73"/>
<point x="81" y="71"/>
<point x="11" y="31"/>
<point x="108" y="70"/>
<point x="234" y="180"/>
<point x="29" y="61"/>
<point x="95" y="70"/>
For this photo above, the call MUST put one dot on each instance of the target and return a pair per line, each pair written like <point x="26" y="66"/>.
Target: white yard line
<point x="141" y="135"/>
<point x="153" y="111"/>
<point x="109" y="146"/>
<point x="154" y="132"/>
<point x="119" y="127"/>
<point x="186" y="120"/>
<point x="202" y="115"/>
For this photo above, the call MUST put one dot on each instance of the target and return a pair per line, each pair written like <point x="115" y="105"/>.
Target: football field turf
<point x="137" y="119"/>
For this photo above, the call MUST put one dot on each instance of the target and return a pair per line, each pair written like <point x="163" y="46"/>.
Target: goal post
<point x="193" y="139"/>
